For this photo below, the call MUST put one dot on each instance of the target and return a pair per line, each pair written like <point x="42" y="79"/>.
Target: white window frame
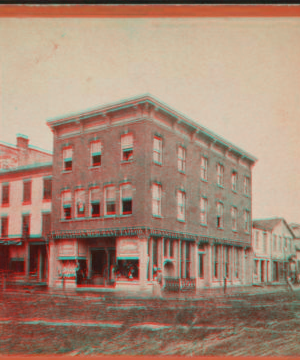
<point x="220" y="175"/>
<point x="122" y="188"/>
<point x="67" y="153"/>
<point x="109" y="200"/>
<point x="156" y="199"/>
<point x="181" y="200"/>
<point x="94" y="201"/>
<point x="220" y="214"/>
<point x="157" y="151"/>
<point x="77" y="192"/>
<point x="203" y="210"/>
<point x="203" y="168"/>
<point x="63" y="204"/>
<point x="181" y="161"/>
<point x="234" y="179"/>
<point x="246" y="185"/>
<point x="94" y="152"/>
<point x="127" y="146"/>
<point x="234" y="213"/>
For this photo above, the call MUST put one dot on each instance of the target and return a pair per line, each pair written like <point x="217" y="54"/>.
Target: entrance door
<point x="38" y="262"/>
<point x="262" y="271"/>
<point x="99" y="263"/>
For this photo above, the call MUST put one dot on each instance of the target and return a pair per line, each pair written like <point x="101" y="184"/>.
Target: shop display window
<point x="127" y="269"/>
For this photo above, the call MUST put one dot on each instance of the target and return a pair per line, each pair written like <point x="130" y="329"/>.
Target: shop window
<point x="201" y="265"/>
<point x="156" y="200"/>
<point x="27" y="191"/>
<point x="234" y="218"/>
<point x="80" y="203"/>
<point x="172" y="248"/>
<point x="234" y="178"/>
<point x="216" y="261"/>
<point x="246" y="220"/>
<point x="181" y="159"/>
<point x="127" y="269"/>
<point x="17" y="266"/>
<point x="220" y="218"/>
<point x="110" y="200"/>
<point x="67" y="158"/>
<point x="246" y="185"/>
<point x="47" y="189"/>
<point x="157" y="150"/>
<point x="127" y="147"/>
<point x="220" y="175"/>
<point x="95" y="202"/>
<point x="126" y="199"/>
<point x="96" y="153"/>
<point x="180" y="205"/>
<point x="203" y="211"/>
<point x="4" y="226"/>
<point x="5" y="194"/>
<point x="25" y="225"/>
<point x="46" y="224"/>
<point x="66" y="205"/>
<point x="203" y="168"/>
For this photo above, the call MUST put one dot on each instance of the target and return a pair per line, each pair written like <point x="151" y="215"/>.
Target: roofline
<point x="275" y="218"/>
<point x="26" y="167"/>
<point x="9" y="145"/>
<point x="30" y="147"/>
<point x="56" y="121"/>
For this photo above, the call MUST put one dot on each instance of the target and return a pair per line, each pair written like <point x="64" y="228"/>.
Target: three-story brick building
<point x="137" y="187"/>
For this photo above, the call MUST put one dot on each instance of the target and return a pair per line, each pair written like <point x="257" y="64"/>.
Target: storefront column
<point x="40" y="264"/>
<point x="243" y="267"/>
<point x="143" y="262"/>
<point x="52" y="263"/>
<point x="232" y="264"/>
<point x="196" y="262"/>
<point x="150" y="259"/>
<point x="221" y="267"/>
<point x="179" y="258"/>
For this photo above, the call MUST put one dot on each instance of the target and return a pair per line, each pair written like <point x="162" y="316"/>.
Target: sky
<point x="238" y="77"/>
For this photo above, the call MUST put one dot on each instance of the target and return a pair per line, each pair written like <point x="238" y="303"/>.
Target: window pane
<point x="67" y="153"/>
<point x="126" y="192"/>
<point x="96" y="147"/>
<point x="95" y="194"/>
<point x="110" y="192"/>
<point x="5" y="194"/>
<point x="127" y="141"/>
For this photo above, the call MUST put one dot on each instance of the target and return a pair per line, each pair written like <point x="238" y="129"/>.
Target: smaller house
<point x="273" y="250"/>
<point x="296" y="230"/>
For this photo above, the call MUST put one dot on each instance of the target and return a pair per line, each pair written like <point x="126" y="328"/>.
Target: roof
<point x="142" y="99"/>
<point x="269" y="224"/>
<point x="26" y="167"/>
<point x="295" y="229"/>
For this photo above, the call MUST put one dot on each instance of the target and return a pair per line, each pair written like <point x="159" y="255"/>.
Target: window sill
<point x="46" y="200"/>
<point x="220" y="228"/>
<point x="247" y="196"/>
<point x="24" y="203"/>
<point x="234" y="191"/>
<point x="95" y="167"/>
<point x="110" y="216"/>
<point x="181" y="172"/>
<point x="157" y="163"/>
<point x="220" y="186"/>
<point x="66" y="171"/>
<point x="201" y="224"/>
<point x="180" y="220"/>
<point x="234" y="230"/>
<point x="125" y="215"/>
<point x="156" y="216"/>
<point x="126" y="161"/>
<point x="204" y="180"/>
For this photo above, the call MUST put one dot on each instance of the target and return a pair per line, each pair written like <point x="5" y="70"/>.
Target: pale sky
<point x="238" y="77"/>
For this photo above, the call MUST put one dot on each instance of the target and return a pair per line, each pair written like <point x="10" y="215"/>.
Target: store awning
<point x="10" y="241"/>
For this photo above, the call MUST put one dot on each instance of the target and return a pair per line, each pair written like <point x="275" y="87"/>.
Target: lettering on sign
<point x="129" y="246"/>
<point x="66" y="249"/>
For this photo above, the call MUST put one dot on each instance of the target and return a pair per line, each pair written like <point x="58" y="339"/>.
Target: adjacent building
<point x="296" y="231"/>
<point x="140" y="187"/>
<point x="274" y="250"/>
<point x="25" y="209"/>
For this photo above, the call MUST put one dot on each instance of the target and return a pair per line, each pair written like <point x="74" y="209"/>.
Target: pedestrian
<point x="157" y="284"/>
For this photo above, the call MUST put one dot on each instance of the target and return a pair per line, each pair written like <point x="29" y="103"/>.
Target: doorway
<point x="38" y="262"/>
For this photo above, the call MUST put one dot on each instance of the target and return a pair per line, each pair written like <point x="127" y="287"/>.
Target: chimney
<point x="22" y="145"/>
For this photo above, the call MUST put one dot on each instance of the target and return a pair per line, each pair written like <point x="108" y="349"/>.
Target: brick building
<point x="273" y="250"/>
<point x="140" y="187"/>
<point x="25" y="210"/>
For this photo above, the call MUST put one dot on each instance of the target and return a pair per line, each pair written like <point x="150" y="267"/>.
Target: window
<point x="27" y="191"/>
<point x="216" y="261"/>
<point x="234" y="181"/>
<point x="126" y="199"/>
<point x="127" y="147"/>
<point x="220" y="211"/>
<point x="188" y="260"/>
<point x="156" y="199"/>
<point x="79" y="203"/>
<point x="274" y="242"/>
<point x="236" y="262"/>
<point x="180" y="205"/>
<point x="226" y="262"/>
<point x="25" y="225"/>
<point x="166" y="247"/>
<point x="47" y="189"/>
<point x="67" y="158"/>
<point x="157" y="150"/>
<point x="181" y="159"/>
<point x="110" y="200"/>
<point x="96" y="153"/>
<point x="280" y="243"/>
<point x="256" y="239"/>
<point x="203" y="211"/>
<point x="46" y="224"/>
<point x="182" y="259"/>
<point x="4" y="226"/>
<point x="66" y="205"/>
<point x="246" y="220"/>
<point x="203" y="168"/>
<point x="220" y="175"/>
<point x="246" y="185"/>
<point x="201" y="265"/>
<point x="5" y="194"/>
<point x="265" y="242"/>
<point x="172" y="248"/>
<point x="95" y="202"/>
<point x="285" y="245"/>
<point x="256" y="267"/>
<point x="234" y="218"/>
